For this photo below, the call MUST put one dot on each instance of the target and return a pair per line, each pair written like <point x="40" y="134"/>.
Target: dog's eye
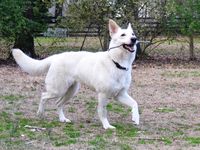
<point x="123" y="34"/>
<point x="133" y="34"/>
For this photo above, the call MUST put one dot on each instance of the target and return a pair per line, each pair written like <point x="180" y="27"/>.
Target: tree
<point x="87" y="13"/>
<point x="184" y="19"/>
<point x="21" y="20"/>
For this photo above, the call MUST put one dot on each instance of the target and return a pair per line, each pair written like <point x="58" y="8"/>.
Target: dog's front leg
<point x="102" y="102"/>
<point x="124" y="98"/>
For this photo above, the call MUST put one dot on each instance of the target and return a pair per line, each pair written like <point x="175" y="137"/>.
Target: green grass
<point x="164" y="110"/>
<point x="71" y="131"/>
<point x="98" y="142"/>
<point x="70" y="135"/>
<point x="123" y="134"/>
<point x="178" y="133"/>
<point x="58" y="134"/>
<point x="65" y="142"/>
<point x="91" y="105"/>
<point x="71" y="110"/>
<point x="125" y="147"/>
<point x="127" y="130"/>
<point x="11" y="98"/>
<point x="11" y="131"/>
<point x="119" y="109"/>
<point x="18" y="113"/>
<point x="116" y="108"/>
<point x="46" y="46"/>
<point x="143" y="141"/>
<point x="181" y="74"/>
<point x="51" y="40"/>
<point x="193" y="140"/>
<point x="166" y="140"/>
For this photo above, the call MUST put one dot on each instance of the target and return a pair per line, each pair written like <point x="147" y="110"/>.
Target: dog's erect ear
<point x="113" y="27"/>
<point x="129" y="26"/>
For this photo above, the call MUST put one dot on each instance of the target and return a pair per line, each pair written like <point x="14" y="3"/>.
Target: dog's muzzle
<point x="130" y="47"/>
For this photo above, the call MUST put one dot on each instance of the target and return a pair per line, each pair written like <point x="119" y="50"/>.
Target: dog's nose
<point x="133" y="40"/>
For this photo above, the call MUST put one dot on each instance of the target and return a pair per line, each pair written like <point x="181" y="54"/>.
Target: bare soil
<point x="169" y="101"/>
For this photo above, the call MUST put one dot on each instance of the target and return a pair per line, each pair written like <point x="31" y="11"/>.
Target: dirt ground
<point x="169" y="101"/>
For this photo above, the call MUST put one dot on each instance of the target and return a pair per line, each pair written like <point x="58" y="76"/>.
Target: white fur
<point x="66" y="70"/>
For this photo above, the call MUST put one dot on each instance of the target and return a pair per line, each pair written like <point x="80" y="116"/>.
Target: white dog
<point x="109" y="73"/>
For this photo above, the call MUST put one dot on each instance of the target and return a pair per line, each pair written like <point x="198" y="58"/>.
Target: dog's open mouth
<point x="129" y="47"/>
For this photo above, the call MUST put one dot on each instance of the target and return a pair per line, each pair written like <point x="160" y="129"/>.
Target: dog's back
<point x="39" y="67"/>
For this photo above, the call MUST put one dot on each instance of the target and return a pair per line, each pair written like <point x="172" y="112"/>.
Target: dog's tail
<point x="29" y="65"/>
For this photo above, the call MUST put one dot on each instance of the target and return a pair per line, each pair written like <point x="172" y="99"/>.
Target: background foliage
<point x="155" y="21"/>
<point x="14" y="17"/>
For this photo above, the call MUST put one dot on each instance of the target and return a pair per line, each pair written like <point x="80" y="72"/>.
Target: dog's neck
<point x="121" y="56"/>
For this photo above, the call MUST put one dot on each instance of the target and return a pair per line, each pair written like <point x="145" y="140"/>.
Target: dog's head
<point x="123" y="37"/>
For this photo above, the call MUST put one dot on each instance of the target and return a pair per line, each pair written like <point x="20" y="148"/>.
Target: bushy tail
<point x="29" y="65"/>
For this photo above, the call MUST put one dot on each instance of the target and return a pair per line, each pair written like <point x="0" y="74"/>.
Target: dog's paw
<point x="136" y="119"/>
<point x="64" y="120"/>
<point x="135" y="116"/>
<point x="109" y="127"/>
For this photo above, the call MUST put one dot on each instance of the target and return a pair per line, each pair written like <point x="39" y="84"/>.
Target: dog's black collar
<point x="119" y="66"/>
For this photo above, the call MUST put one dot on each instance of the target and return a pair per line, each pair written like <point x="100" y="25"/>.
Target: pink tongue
<point x="128" y="47"/>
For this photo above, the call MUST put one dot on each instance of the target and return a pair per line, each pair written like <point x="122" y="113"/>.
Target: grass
<point x="181" y="74"/>
<point x="54" y="40"/>
<point x="164" y="110"/>
<point x="11" y="131"/>
<point x="91" y="105"/>
<point x="118" y="108"/>
<point x="98" y="142"/>
<point x="70" y="136"/>
<point x="123" y="134"/>
<point x="151" y="133"/>
<point x="71" y="109"/>
<point x="127" y="130"/>
<point x="143" y="141"/>
<point x="14" y="134"/>
<point x="125" y="147"/>
<point x="11" y="98"/>
<point x="49" y="45"/>
<point x="166" y="140"/>
<point x="193" y="140"/>
<point x="71" y="132"/>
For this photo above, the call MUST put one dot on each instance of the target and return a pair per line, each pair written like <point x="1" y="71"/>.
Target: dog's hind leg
<point x="124" y="98"/>
<point x="44" y="98"/>
<point x="102" y="102"/>
<point x="72" y="90"/>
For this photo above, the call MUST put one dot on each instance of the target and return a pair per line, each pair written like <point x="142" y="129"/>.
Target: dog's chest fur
<point x="121" y="81"/>
<point x="102" y="75"/>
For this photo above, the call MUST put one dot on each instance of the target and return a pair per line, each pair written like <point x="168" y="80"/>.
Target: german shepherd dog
<point x="108" y="73"/>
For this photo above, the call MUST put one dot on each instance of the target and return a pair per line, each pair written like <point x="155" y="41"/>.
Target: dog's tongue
<point x="128" y="47"/>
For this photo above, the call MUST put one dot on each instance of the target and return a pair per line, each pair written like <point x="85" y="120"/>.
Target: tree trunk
<point x="25" y="42"/>
<point x="105" y="40"/>
<point x="191" y="47"/>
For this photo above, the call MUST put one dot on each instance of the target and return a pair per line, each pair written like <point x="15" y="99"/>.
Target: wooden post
<point x="191" y="47"/>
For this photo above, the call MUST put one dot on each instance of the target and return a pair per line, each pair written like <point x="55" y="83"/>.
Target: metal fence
<point x="57" y="40"/>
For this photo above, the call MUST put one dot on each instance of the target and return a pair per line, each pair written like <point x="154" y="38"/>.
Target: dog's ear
<point x="129" y="26"/>
<point x="113" y="27"/>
